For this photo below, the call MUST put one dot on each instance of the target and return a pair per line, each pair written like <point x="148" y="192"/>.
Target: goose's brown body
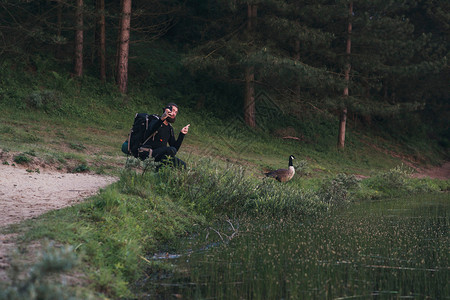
<point x="283" y="175"/>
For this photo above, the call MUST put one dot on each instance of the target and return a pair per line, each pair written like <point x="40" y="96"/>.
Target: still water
<point x="396" y="249"/>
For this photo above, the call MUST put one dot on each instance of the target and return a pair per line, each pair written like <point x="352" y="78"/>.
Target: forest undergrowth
<point x="78" y="125"/>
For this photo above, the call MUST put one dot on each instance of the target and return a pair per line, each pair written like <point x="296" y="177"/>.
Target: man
<point x="165" y="135"/>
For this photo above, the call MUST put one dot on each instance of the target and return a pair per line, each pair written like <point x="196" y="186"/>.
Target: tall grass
<point x="388" y="249"/>
<point x="48" y="111"/>
<point x="143" y="213"/>
<point x="213" y="190"/>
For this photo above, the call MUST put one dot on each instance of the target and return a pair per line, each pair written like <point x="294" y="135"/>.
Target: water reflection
<point x="389" y="249"/>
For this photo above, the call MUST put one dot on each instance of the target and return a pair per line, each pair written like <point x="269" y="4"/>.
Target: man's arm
<point x="179" y="141"/>
<point x="155" y="123"/>
<point x="153" y="126"/>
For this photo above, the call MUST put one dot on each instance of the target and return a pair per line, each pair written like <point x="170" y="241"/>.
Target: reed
<point x="389" y="249"/>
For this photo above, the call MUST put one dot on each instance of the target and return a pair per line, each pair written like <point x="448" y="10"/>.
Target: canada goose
<point x="283" y="175"/>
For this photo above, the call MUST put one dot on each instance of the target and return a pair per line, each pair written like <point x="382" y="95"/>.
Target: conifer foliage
<point x="295" y="51"/>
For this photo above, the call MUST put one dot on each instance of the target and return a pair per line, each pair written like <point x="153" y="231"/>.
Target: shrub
<point x="398" y="181"/>
<point x="21" y="159"/>
<point x="282" y="200"/>
<point x="37" y="285"/>
<point x="302" y="168"/>
<point x="81" y="168"/>
<point x="46" y="100"/>
<point x="336" y="190"/>
<point x="206" y="187"/>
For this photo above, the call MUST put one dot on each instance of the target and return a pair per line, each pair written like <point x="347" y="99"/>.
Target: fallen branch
<point x="217" y="233"/>
<point x="292" y="138"/>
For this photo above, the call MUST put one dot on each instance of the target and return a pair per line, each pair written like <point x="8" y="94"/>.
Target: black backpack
<point x="139" y="135"/>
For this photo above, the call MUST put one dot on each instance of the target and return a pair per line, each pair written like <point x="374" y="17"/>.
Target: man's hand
<point x="185" y="129"/>
<point x="165" y="114"/>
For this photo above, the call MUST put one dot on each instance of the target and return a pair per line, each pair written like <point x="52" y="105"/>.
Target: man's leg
<point x="178" y="162"/>
<point x="163" y="152"/>
<point x="166" y="155"/>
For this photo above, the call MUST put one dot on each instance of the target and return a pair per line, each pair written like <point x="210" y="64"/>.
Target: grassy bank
<point x="115" y="233"/>
<point x="50" y="120"/>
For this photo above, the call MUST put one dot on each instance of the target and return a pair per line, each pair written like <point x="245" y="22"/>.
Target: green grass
<point x="387" y="248"/>
<point x="144" y="213"/>
<point x="112" y="232"/>
<point x="78" y="125"/>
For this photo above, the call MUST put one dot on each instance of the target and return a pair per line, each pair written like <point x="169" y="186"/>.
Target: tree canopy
<point x="292" y="51"/>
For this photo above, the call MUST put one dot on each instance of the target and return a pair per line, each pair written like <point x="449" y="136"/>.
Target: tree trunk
<point x="102" y="39"/>
<point x="124" y="45"/>
<point x="78" y="70"/>
<point x="297" y="58"/>
<point x="249" y="100"/>
<point x="343" y="116"/>
<point x="59" y="29"/>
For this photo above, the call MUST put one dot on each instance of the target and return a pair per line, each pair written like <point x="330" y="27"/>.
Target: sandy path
<point x="25" y="195"/>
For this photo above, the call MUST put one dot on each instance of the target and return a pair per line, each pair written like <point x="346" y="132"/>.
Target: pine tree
<point x="385" y="53"/>
<point x="344" y="111"/>
<point x="78" y="53"/>
<point x="263" y="53"/>
<point x="123" y="47"/>
<point x="101" y="37"/>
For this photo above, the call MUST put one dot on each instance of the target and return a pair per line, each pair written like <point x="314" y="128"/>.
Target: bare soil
<point x="441" y="172"/>
<point x="26" y="194"/>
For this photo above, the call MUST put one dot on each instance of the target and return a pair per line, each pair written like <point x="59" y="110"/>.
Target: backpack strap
<point x="152" y="136"/>
<point x="129" y="142"/>
<point x="149" y="150"/>
<point x="171" y="131"/>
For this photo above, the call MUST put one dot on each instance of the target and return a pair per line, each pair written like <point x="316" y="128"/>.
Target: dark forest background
<point x="379" y="63"/>
<point x="358" y="91"/>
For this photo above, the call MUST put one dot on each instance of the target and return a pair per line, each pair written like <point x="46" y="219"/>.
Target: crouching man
<point x="163" y="144"/>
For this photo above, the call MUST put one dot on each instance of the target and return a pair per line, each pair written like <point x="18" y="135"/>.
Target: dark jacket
<point x="164" y="135"/>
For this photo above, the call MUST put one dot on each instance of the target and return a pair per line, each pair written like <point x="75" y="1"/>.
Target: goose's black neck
<point x="290" y="161"/>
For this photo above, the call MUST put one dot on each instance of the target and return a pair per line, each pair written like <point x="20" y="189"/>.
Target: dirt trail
<point x="25" y="195"/>
<point x="442" y="172"/>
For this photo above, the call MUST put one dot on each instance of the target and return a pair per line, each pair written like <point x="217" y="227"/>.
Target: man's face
<point x="172" y="114"/>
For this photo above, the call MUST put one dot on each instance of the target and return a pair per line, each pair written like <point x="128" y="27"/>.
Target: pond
<point x="387" y="249"/>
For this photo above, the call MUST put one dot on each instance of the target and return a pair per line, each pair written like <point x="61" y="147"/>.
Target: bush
<point x="206" y="188"/>
<point x="282" y="200"/>
<point x="21" y="159"/>
<point x="398" y="181"/>
<point x="302" y="168"/>
<point x="336" y="190"/>
<point x="37" y="285"/>
<point x="46" y="100"/>
<point x="81" y="168"/>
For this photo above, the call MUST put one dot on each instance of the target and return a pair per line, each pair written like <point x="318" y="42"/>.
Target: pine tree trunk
<point x="124" y="44"/>
<point x="78" y="70"/>
<point x="59" y="29"/>
<point x="249" y="100"/>
<point x="343" y="116"/>
<point x="297" y="58"/>
<point x="102" y="38"/>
